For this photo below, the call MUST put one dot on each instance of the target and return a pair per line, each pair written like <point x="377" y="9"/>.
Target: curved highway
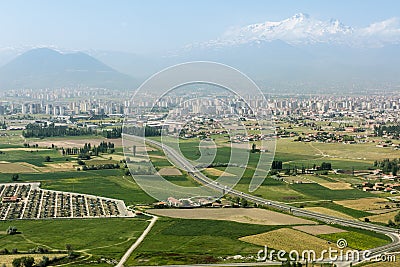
<point x="184" y="164"/>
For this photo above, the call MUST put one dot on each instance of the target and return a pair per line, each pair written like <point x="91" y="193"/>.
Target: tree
<point x="276" y="165"/>
<point x="326" y="166"/>
<point x="244" y="202"/>
<point x="17" y="262"/>
<point x="394" y="170"/>
<point x="253" y="148"/>
<point x="47" y="159"/>
<point x="12" y="230"/>
<point x="69" y="249"/>
<point x="44" y="262"/>
<point x="28" y="261"/>
<point x="15" y="177"/>
<point x="397" y="218"/>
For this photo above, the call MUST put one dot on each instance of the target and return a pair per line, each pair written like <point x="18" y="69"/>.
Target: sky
<point x="145" y="27"/>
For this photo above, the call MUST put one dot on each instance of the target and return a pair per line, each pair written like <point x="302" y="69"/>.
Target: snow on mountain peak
<point x="300" y="28"/>
<point x="303" y="29"/>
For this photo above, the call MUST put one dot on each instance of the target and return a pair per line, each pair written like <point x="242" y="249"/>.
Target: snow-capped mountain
<point x="302" y="29"/>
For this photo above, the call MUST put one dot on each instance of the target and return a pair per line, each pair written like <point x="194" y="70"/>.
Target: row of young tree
<point x="87" y="150"/>
<point x="38" y="131"/>
<point x="388" y="166"/>
<point x="140" y="131"/>
<point x="113" y="133"/>
<point x="325" y="166"/>
<point x="100" y="167"/>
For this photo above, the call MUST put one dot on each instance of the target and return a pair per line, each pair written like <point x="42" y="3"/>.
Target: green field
<point x="106" y="183"/>
<point x="108" y="238"/>
<point x="35" y="157"/>
<point x="180" y="241"/>
<point x="319" y="192"/>
<point x="330" y="205"/>
<point x="358" y="238"/>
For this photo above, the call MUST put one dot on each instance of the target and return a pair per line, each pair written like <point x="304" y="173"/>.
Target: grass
<point x="180" y="241"/>
<point x="319" y="192"/>
<point x="109" y="237"/>
<point x="35" y="157"/>
<point x="329" y="205"/>
<point x="106" y="183"/>
<point x="357" y="240"/>
<point x="102" y="184"/>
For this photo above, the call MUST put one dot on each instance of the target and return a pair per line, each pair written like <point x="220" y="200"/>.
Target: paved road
<point x="183" y="163"/>
<point x="137" y="242"/>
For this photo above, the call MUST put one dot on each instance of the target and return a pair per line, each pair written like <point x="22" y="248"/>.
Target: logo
<point x="325" y="256"/>
<point x="341" y="243"/>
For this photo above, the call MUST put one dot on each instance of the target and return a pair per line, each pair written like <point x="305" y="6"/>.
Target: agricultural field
<point x="358" y="239"/>
<point x="8" y="259"/>
<point x="330" y="207"/>
<point x="383" y="217"/>
<point x="8" y="167"/>
<point x="179" y="241"/>
<point x="96" y="238"/>
<point x="241" y="215"/>
<point x="330" y="212"/>
<point x="318" y="229"/>
<point x="288" y="239"/>
<point x="320" y="192"/>
<point x="337" y="186"/>
<point x="366" y="204"/>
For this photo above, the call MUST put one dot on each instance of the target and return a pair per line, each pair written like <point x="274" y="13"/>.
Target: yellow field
<point x="288" y="239"/>
<point x="216" y="172"/>
<point x="337" y="186"/>
<point x="7" y="259"/>
<point x="242" y="215"/>
<point x="364" y="203"/>
<point x="318" y="229"/>
<point x="23" y="149"/>
<point x="382" y="218"/>
<point x="15" y="168"/>
<point x="78" y="142"/>
<point x="169" y="171"/>
<point x="329" y="212"/>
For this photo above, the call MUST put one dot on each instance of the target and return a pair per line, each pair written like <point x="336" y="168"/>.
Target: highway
<point x="184" y="164"/>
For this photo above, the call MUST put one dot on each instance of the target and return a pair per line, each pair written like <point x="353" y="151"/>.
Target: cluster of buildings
<point x="392" y="188"/>
<point x="100" y="101"/>
<point x="28" y="201"/>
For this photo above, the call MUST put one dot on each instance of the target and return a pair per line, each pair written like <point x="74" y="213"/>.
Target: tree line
<point x="140" y="131"/>
<point x="387" y="129"/>
<point x="38" y="131"/>
<point x="388" y="166"/>
<point x="87" y="150"/>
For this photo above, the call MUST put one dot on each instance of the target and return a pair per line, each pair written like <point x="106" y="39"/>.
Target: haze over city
<point x="199" y="133"/>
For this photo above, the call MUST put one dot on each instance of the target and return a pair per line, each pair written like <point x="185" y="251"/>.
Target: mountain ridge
<point x="45" y="67"/>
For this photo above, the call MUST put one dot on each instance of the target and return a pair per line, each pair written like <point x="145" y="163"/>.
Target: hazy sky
<point x="154" y="26"/>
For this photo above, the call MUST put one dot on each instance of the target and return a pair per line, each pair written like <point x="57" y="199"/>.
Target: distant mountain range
<point x="302" y="29"/>
<point x="297" y="53"/>
<point x="47" y="68"/>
